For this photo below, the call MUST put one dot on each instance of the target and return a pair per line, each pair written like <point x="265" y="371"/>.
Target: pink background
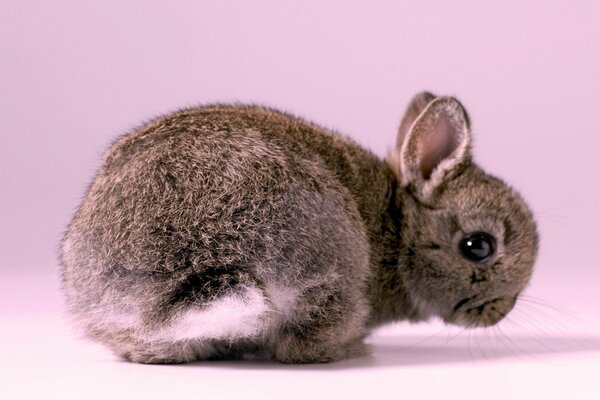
<point x="74" y="75"/>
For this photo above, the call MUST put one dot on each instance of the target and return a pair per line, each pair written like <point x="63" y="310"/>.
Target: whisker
<point x="506" y="342"/>
<point x="561" y="331"/>
<point x="533" y="312"/>
<point x="533" y="318"/>
<point x="460" y="331"/>
<point x="469" y="345"/>
<point x="544" y="303"/>
<point x="426" y="339"/>
<point x="481" y="348"/>
<point x="527" y="334"/>
<point x="497" y="339"/>
<point x="519" y="348"/>
<point x="567" y="224"/>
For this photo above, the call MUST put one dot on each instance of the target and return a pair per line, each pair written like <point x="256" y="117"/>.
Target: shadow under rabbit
<point x="433" y="350"/>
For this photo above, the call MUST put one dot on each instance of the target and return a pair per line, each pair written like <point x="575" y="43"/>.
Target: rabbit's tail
<point x="242" y="312"/>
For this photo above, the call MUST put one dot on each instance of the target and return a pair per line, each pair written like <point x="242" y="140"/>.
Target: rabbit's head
<point x="469" y="241"/>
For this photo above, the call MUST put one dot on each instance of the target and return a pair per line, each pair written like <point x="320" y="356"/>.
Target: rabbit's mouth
<point x="481" y="314"/>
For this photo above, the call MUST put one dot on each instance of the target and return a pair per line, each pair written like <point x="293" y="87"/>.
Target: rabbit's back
<point x="201" y="203"/>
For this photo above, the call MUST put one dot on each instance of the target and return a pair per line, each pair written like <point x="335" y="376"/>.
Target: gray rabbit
<point x="228" y="230"/>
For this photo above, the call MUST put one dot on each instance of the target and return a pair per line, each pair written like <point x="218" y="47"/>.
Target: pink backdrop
<point x="76" y="74"/>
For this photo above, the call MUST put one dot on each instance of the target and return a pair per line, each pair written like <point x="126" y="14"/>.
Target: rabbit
<point x="239" y="231"/>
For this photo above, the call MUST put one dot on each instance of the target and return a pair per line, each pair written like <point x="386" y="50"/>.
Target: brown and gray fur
<point x="228" y="230"/>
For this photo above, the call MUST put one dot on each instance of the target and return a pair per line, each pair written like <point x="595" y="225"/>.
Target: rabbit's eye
<point x="477" y="246"/>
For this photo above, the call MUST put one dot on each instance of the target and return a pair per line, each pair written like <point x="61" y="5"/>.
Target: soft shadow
<point x="415" y="351"/>
<point x="423" y="350"/>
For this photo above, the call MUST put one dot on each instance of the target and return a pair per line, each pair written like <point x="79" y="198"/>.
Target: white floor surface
<point x="540" y="353"/>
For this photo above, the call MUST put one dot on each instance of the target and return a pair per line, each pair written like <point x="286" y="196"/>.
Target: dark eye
<point x="477" y="246"/>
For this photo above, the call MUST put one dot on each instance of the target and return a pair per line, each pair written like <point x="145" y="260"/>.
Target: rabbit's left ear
<point x="433" y="143"/>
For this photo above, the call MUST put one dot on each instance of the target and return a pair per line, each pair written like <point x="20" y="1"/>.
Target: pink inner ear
<point x="438" y="144"/>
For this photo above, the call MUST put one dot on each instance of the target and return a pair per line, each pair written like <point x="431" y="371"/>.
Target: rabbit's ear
<point x="432" y="144"/>
<point x="414" y="109"/>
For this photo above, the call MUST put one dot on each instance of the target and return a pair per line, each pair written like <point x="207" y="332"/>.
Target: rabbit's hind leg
<point x="330" y="326"/>
<point x="164" y="352"/>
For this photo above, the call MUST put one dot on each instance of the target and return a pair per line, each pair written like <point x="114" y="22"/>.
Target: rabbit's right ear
<point x="433" y="140"/>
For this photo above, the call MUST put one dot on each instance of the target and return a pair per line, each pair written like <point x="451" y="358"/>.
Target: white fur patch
<point x="238" y="315"/>
<point x="119" y="319"/>
<point x="283" y="299"/>
<point x="425" y="308"/>
<point x="110" y="313"/>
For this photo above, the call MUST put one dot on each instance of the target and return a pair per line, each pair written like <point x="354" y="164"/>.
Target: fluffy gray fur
<point x="314" y="238"/>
